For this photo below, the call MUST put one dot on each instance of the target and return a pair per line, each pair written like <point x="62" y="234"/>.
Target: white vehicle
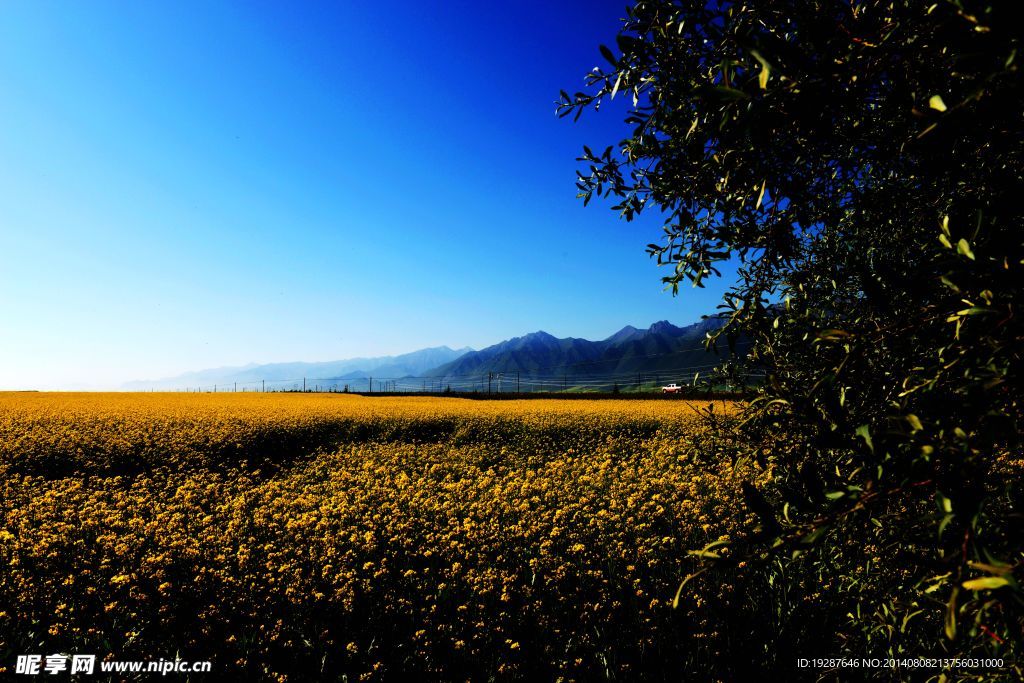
<point x="671" y="388"/>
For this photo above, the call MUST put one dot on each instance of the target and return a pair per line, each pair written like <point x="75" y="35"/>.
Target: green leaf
<point x="936" y="583"/>
<point x="679" y="591"/>
<point x="914" y="422"/>
<point x="814" y="536"/>
<point x="693" y="126"/>
<point x="945" y="503"/>
<point x="950" y="625"/>
<point x="991" y="568"/>
<point x="609" y="55"/>
<point x="727" y="93"/>
<point x="986" y="583"/>
<point x="618" y="81"/>
<point x="864" y="432"/>
<point x="976" y="310"/>
<point x="831" y="334"/>
<point x="964" y="249"/>
<point x="935" y="102"/>
<point x="906" y="620"/>
<point x="765" y="70"/>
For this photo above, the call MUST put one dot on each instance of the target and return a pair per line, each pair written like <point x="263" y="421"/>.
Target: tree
<point x="862" y="162"/>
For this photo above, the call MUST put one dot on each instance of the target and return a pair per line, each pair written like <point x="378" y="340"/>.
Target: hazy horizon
<point x="159" y="383"/>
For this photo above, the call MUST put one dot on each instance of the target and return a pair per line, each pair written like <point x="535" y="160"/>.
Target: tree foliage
<point x="862" y="162"/>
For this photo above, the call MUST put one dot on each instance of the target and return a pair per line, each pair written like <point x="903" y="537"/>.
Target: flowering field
<point x="332" y="537"/>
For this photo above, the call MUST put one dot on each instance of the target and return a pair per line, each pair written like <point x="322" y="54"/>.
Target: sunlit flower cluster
<point x="302" y="537"/>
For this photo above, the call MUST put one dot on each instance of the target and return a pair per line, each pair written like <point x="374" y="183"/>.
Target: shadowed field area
<point x="302" y="537"/>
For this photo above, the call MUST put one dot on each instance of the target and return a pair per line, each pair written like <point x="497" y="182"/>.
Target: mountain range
<point x="661" y="352"/>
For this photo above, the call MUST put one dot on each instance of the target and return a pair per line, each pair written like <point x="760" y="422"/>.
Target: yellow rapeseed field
<point x="334" y="537"/>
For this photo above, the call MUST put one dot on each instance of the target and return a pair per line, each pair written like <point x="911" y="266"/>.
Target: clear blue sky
<point x="195" y="184"/>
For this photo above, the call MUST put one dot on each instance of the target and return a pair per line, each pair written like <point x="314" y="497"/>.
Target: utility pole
<point x="236" y="387"/>
<point x="264" y="385"/>
<point x="303" y="385"/>
<point x="517" y="381"/>
<point x="488" y="382"/>
<point x="370" y="380"/>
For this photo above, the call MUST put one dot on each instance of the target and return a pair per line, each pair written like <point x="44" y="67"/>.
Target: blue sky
<point x="188" y="185"/>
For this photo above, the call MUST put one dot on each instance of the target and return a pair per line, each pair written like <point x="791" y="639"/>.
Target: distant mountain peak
<point x="622" y="335"/>
<point x="664" y="327"/>
<point x="538" y="337"/>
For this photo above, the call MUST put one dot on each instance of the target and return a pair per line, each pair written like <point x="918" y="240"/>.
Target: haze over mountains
<point x="408" y="364"/>
<point x="661" y="352"/>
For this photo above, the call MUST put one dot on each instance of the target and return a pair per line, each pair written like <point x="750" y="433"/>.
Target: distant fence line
<point x="491" y="382"/>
